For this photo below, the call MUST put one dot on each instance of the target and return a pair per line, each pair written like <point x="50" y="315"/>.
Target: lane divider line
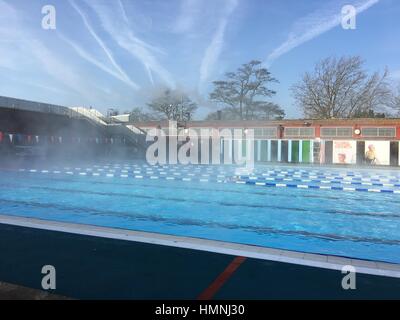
<point x="340" y="186"/>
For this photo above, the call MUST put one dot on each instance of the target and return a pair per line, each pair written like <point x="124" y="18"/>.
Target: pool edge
<point x="250" y="251"/>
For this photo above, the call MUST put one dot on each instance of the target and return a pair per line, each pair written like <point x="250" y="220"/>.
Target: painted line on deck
<point x="217" y="284"/>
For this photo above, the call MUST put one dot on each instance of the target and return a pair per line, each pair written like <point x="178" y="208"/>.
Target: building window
<point x="387" y="132"/>
<point x="265" y="133"/>
<point x="300" y="132"/>
<point x="336" y="132"/>
<point x="379" y="132"/>
<point x="206" y="132"/>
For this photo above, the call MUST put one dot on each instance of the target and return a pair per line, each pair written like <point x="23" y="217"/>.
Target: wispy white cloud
<point x="123" y="11"/>
<point x="127" y="22"/>
<point x="188" y="15"/>
<point x="215" y="47"/>
<point x="120" y="31"/>
<point x="56" y="68"/>
<point x="90" y="58"/>
<point x="8" y="27"/>
<point x="314" y="25"/>
<point x="18" y="41"/>
<point x="11" y="37"/>
<point x="102" y="45"/>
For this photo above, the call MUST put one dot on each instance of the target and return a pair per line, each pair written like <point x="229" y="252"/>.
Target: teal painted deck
<point x="96" y="268"/>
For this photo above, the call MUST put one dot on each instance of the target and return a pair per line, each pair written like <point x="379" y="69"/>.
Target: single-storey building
<point x="333" y="141"/>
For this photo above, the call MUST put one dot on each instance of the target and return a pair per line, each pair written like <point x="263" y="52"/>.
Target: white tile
<point x="315" y="257"/>
<point x="388" y="266"/>
<point x="339" y="260"/>
<point x="364" y="264"/>
<point x="293" y="254"/>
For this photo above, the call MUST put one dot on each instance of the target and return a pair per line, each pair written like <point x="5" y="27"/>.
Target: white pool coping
<point x="294" y="257"/>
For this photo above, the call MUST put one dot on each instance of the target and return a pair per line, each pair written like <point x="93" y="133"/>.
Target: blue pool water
<point x="214" y="205"/>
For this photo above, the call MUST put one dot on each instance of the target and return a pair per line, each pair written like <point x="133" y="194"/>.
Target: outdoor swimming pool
<point x="351" y="213"/>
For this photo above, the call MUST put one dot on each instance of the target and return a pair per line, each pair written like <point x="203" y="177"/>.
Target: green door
<point x="306" y="151"/>
<point x="295" y="151"/>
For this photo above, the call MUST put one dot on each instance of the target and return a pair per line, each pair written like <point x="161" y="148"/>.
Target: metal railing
<point x="89" y="113"/>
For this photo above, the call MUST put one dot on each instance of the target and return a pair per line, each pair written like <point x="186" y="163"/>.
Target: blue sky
<point x="119" y="53"/>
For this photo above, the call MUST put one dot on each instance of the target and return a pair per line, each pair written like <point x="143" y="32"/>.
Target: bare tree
<point x="173" y="105"/>
<point x="242" y="88"/>
<point x="138" y="114"/>
<point x="341" y="88"/>
<point x="225" y="114"/>
<point x="261" y="110"/>
<point x="257" y="111"/>
<point x="396" y="101"/>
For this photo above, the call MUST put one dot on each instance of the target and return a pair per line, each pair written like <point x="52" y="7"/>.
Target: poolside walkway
<point x="98" y="268"/>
